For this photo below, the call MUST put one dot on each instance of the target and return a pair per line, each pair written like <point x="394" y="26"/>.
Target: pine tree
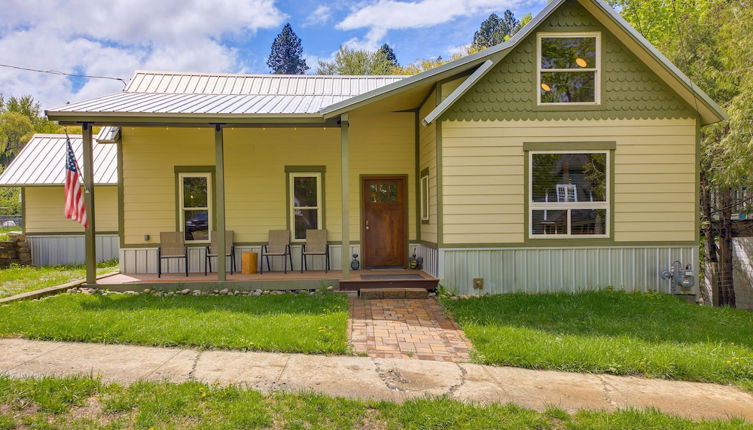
<point x="389" y="54"/>
<point x="495" y="30"/>
<point x="287" y="53"/>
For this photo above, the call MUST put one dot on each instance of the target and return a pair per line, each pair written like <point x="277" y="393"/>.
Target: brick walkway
<point x="405" y="328"/>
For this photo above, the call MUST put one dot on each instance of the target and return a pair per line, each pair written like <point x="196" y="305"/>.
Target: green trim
<point x="570" y="146"/>
<point x="698" y="137"/>
<point x="567" y="243"/>
<point x="177" y="170"/>
<point x="438" y="156"/>
<point x="121" y="190"/>
<point x="425" y="243"/>
<point x="23" y="209"/>
<point x="422" y="174"/>
<point x="66" y="233"/>
<point x="417" y="166"/>
<point x="553" y="242"/>
<point x="322" y="170"/>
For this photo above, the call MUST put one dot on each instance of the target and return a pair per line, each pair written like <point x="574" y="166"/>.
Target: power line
<point x="56" y="72"/>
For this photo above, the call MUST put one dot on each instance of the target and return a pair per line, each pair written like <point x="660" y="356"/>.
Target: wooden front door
<point x="384" y="234"/>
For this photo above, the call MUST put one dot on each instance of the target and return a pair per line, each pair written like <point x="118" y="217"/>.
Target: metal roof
<point x="42" y="162"/>
<point x="229" y="94"/>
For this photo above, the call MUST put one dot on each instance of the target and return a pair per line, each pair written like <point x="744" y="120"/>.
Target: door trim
<point x="362" y="214"/>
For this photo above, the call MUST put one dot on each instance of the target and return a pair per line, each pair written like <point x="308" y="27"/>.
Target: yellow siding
<point x="45" y="210"/>
<point x="428" y="159"/>
<point x="450" y="86"/>
<point x="255" y="177"/>
<point x="482" y="164"/>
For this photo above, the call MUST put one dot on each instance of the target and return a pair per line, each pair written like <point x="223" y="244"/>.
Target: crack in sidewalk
<point x="390" y="377"/>
<point x="191" y="376"/>
<point x="454" y="388"/>
<point x="148" y="374"/>
<point x="608" y="389"/>
<point x="36" y="357"/>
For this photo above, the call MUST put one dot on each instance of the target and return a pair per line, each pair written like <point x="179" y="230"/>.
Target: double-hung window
<point x="195" y="201"/>
<point x="568" y="194"/>
<point x="305" y="203"/>
<point x="568" y="68"/>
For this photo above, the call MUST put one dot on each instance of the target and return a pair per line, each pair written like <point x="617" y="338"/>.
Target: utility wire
<point x="56" y="72"/>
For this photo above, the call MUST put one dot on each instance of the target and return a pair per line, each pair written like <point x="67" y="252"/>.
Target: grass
<point x="653" y="335"/>
<point x="20" y="279"/>
<point x="286" y="323"/>
<point x="84" y="403"/>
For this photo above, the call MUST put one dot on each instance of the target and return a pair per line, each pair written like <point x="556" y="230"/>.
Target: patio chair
<point x="277" y="246"/>
<point x="171" y="245"/>
<point x="316" y="244"/>
<point x="213" y="251"/>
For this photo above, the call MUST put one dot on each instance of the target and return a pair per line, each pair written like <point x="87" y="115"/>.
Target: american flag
<point x="74" y="193"/>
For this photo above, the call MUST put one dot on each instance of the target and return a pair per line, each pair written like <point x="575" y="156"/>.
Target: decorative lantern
<point x="355" y="265"/>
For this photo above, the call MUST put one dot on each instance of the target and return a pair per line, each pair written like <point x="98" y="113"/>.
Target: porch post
<point x="90" y="243"/>
<point x="345" y="193"/>
<point x="219" y="167"/>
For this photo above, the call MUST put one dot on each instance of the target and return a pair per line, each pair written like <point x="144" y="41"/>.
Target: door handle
<point x="367" y="224"/>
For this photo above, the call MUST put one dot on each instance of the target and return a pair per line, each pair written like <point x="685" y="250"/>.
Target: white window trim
<point x="597" y="69"/>
<point x="291" y="206"/>
<point x="208" y="208"/>
<point x="569" y="205"/>
<point x="425" y="208"/>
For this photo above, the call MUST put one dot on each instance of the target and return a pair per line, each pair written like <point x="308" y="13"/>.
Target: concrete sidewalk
<point x="373" y="378"/>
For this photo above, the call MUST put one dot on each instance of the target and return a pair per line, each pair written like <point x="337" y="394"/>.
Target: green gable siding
<point x="629" y="89"/>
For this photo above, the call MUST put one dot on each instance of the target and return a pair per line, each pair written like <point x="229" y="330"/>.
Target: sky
<point x="115" y="37"/>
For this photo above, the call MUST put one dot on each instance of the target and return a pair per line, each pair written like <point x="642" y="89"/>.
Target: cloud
<point x="116" y="37"/>
<point x="321" y="15"/>
<point x="381" y="16"/>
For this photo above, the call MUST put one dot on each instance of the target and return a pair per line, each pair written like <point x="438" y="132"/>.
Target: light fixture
<point x="581" y="62"/>
<point x="545" y="87"/>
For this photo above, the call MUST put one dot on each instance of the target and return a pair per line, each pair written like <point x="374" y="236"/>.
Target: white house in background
<point x="39" y="169"/>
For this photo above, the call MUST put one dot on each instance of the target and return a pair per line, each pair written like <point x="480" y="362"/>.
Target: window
<point x="195" y="203"/>
<point x="568" y="68"/>
<point x="569" y="194"/>
<point x="425" y="195"/>
<point x="306" y="203"/>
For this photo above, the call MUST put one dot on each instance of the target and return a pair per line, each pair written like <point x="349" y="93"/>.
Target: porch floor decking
<point x="278" y="280"/>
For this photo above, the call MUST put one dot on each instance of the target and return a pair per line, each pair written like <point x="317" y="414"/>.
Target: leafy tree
<point x="708" y="40"/>
<point x="495" y="30"/>
<point x="15" y="130"/>
<point x="356" y="62"/>
<point x="287" y="53"/>
<point x="389" y="54"/>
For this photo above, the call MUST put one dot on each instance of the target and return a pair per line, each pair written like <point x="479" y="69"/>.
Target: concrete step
<point x="394" y="293"/>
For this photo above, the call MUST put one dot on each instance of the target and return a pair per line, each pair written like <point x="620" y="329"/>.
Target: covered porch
<point x="309" y="280"/>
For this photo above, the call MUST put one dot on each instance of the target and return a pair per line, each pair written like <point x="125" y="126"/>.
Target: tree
<point x="15" y="130"/>
<point x="495" y="30"/>
<point x="356" y="62"/>
<point x="287" y="53"/>
<point x="389" y="54"/>
<point x="707" y="40"/>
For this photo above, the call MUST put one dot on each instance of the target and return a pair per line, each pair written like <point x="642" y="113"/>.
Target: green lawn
<point x="654" y="335"/>
<point x="20" y="279"/>
<point x="287" y="322"/>
<point x="83" y="403"/>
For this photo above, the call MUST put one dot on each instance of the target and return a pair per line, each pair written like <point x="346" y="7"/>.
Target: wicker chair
<point x="171" y="245"/>
<point x="316" y="244"/>
<point x="212" y="251"/>
<point x="277" y="246"/>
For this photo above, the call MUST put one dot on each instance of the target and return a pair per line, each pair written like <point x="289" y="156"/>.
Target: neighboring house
<point x="39" y="169"/>
<point x="563" y="159"/>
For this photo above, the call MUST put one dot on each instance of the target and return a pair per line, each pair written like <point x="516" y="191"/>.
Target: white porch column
<point x="90" y="242"/>
<point x="219" y="172"/>
<point x="345" y="194"/>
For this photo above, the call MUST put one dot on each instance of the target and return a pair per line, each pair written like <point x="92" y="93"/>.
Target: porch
<point x="295" y="280"/>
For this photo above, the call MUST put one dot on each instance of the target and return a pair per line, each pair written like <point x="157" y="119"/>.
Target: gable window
<point x="424" y="195"/>
<point x="568" y="68"/>
<point x="195" y="205"/>
<point x="569" y="194"/>
<point x="305" y="204"/>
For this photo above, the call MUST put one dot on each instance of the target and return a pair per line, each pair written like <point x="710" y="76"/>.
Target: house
<point x="39" y="171"/>
<point x="563" y="159"/>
